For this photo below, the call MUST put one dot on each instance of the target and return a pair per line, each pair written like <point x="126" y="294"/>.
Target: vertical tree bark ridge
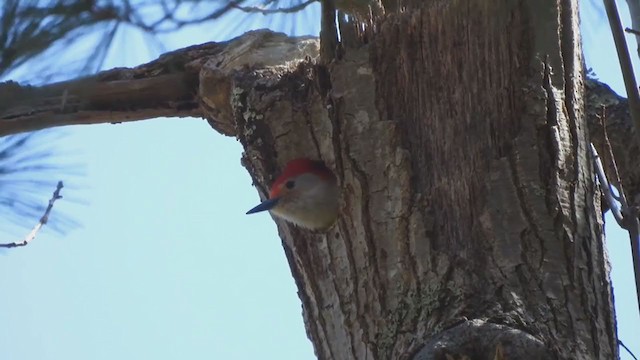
<point x="451" y="75"/>
<point x="490" y="98"/>
<point x="376" y="173"/>
<point x="282" y="116"/>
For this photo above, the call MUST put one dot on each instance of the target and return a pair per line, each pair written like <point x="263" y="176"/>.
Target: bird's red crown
<point x="297" y="167"/>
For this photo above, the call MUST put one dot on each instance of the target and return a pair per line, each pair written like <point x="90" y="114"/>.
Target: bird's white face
<point x="306" y="194"/>
<point x="308" y="201"/>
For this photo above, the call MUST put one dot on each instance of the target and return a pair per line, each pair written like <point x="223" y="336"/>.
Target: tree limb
<point x="93" y="100"/>
<point x="193" y="81"/>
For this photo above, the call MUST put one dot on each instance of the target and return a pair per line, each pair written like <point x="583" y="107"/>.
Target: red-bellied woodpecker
<point x="306" y="194"/>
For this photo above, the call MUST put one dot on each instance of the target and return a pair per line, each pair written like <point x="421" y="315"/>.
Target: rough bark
<point x="510" y="177"/>
<point x="470" y="224"/>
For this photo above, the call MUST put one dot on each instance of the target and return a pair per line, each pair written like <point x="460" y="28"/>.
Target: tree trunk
<point x="470" y="224"/>
<point x="470" y="221"/>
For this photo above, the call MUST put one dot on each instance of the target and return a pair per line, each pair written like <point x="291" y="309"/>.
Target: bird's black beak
<point x="265" y="205"/>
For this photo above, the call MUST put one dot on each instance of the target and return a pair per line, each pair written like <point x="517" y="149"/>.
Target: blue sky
<point x="165" y="264"/>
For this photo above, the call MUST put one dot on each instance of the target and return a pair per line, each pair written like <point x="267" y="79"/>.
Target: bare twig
<point x="606" y="187"/>
<point x="40" y="224"/>
<point x="632" y="31"/>
<point x="607" y="144"/>
<point x="168" y="22"/>
<point x="628" y="350"/>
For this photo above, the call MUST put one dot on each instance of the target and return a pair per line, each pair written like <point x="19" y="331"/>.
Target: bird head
<point x="306" y="194"/>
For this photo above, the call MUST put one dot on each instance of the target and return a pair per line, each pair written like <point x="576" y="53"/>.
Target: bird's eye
<point x="290" y="184"/>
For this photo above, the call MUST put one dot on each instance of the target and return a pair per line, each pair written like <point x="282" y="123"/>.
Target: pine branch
<point x="43" y="221"/>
